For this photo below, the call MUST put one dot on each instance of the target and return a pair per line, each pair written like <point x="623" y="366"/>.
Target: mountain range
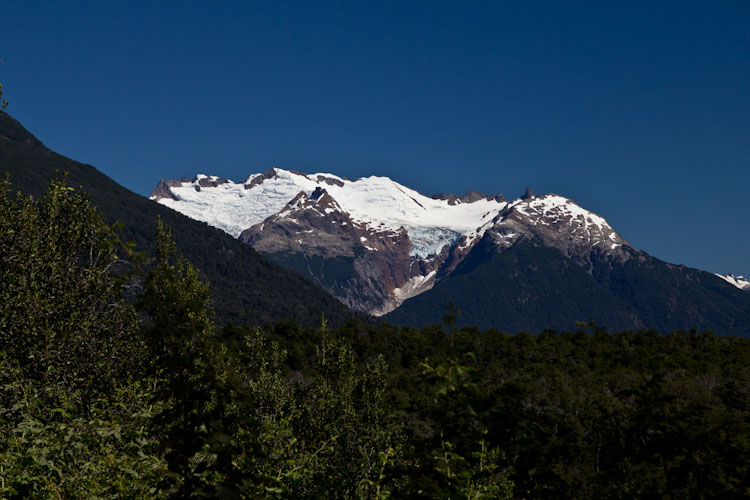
<point x="530" y="263"/>
<point x="245" y="286"/>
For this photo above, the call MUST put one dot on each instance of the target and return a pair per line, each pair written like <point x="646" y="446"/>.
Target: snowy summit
<point x="388" y="242"/>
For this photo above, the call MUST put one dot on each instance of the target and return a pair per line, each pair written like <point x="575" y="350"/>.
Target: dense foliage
<point x="584" y="414"/>
<point x="115" y="383"/>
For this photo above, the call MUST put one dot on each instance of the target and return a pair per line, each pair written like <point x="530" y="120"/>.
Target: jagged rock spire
<point x="528" y="194"/>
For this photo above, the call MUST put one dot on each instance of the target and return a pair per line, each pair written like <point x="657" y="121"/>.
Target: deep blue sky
<point x="639" y="111"/>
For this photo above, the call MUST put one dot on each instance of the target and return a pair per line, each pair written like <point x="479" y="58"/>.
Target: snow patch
<point x="411" y="288"/>
<point x="739" y="281"/>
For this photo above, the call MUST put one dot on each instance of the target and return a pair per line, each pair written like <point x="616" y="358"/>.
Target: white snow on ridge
<point x="233" y="208"/>
<point x="552" y="209"/>
<point x="555" y="206"/>
<point x="411" y="288"/>
<point x="380" y="202"/>
<point x="431" y="224"/>
<point x="739" y="281"/>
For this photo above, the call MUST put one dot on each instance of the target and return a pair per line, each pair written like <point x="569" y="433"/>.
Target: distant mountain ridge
<point x="373" y="242"/>
<point x="386" y="249"/>
<point x="245" y="286"/>
<point x="739" y="281"/>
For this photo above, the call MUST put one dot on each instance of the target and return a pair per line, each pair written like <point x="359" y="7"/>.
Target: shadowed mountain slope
<point x="245" y="286"/>
<point x="530" y="287"/>
<point x="536" y="262"/>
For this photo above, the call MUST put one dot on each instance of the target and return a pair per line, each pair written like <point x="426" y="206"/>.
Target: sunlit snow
<point x="738" y="281"/>
<point x="379" y="202"/>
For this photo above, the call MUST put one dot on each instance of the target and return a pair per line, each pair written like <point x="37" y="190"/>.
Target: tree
<point x="194" y="386"/>
<point x="63" y="317"/>
<point x="467" y="465"/>
<point x="73" y="405"/>
<point x="3" y="102"/>
<point x="329" y="434"/>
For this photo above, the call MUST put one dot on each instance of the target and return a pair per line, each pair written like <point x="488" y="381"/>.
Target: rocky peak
<point x="470" y="197"/>
<point x="206" y="181"/>
<point x="558" y="222"/>
<point x="528" y="194"/>
<point x="450" y="198"/>
<point x="260" y="178"/>
<point x="162" y="190"/>
<point x="297" y="202"/>
<point x="381" y="242"/>
<point x="319" y="191"/>
<point x="331" y="181"/>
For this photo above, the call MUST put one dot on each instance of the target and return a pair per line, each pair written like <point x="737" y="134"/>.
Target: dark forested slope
<point x="532" y="287"/>
<point x="245" y="286"/>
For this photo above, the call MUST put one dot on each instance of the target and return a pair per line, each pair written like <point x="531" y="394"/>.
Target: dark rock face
<point x="470" y="197"/>
<point x="329" y="180"/>
<point x="528" y="194"/>
<point x="451" y="198"/>
<point x="360" y="265"/>
<point x="268" y="174"/>
<point x="162" y="190"/>
<point x="210" y="182"/>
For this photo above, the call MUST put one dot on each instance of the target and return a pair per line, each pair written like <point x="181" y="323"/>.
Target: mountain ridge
<point x="386" y="249"/>
<point x="394" y="242"/>
<point x="245" y="286"/>
<point x="739" y="281"/>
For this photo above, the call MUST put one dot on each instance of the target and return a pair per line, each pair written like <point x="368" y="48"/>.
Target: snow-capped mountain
<point x="377" y="202"/>
<point x="739" y="281"/>
<point x="373" y="242"/>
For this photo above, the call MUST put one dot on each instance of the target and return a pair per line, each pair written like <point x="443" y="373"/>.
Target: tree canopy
<point x="115" y="382"/>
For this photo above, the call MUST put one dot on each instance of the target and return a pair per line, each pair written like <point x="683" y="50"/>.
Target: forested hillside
<point x="532" y="287"/>
<point x="246" y="287"/>
<point x="115" y="383"/>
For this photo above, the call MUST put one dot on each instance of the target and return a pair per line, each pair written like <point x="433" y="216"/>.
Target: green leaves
<point x="327" y="435"/>
<point x="48" y="447"/>
<point x="63" y="318"/>
<point x="72" y="408"/>
<point x="467" y="466"/>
